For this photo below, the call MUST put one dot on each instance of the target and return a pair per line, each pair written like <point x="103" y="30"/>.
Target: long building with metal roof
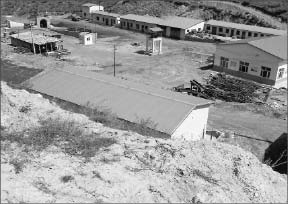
<point x="176" y="114"/>
<point x="173" y="26"/>
<point x="228" y="29"/>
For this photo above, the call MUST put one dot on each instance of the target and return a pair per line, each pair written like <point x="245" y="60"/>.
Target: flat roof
<point x="104" y="13"/>
<point x="37" y="38"/>
<point x="128" y="100"/>
<point x="170" y="21"/>
<point x="89" y="4"/>
<point x="274" y="45"/>
<point x="247" y="27"/>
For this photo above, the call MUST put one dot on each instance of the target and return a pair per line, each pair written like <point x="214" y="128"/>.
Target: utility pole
<point x="114" y="59"/>
<point x="32" y="40"/>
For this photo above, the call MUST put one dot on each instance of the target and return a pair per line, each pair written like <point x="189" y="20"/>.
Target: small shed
<point x="87" y="38"/>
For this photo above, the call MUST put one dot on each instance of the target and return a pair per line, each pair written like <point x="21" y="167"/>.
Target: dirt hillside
<point x="134" y="168"/>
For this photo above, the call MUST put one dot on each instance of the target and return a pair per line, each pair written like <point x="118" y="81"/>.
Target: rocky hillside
<point x="37" y="164"/>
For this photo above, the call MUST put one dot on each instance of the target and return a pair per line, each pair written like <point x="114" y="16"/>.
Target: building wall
<point x="247" y="53"/>
<point x="143" y="27"/>
<point x="102" y="19"/>
<point x="194" y="126"/>
<point x="13" y="24"/>
<point x="198" y="27"/>
<point x="227" y="32"/>
<point x="87" y="39"/>
<point x="88" y="10"/>
<point x="282" y="82"/>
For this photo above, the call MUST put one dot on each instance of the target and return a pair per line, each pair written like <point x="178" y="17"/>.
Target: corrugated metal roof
<point x="128" y="100"/>
<point x="181" y="22"/>
<point x="171" y="21"/>
<point x="275" y="45"/>
<point x="247" y="27"/>
<point x="37" y="38"/>
<point x="104" y="13"/>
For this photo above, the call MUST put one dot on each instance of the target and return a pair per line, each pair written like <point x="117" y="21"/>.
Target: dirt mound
<point x="134" y="169"/>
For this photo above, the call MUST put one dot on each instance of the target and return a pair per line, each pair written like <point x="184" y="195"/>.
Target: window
<point x="98" y="18"/>
<point x="243" y="67"/>
<point x="243" y="33"/>
<point x="227" y="30"/>
<point x="233" y="64"/>
<point x="124" y="23"/>
<point x="146" y="27"/>
<point x="220" y="29"/>
<point x="103" y="19"/>
<point x="224" y="62"/>
<point x="88" y="39"/>
<point x="262" y="35"/>
<point x="238" y="32"/>
<point x="265" y="72"/>
<point x="137" y="26"/>
<point x="208" y="27"/>
<point x="280" y="73"/>
<point x="255" y="34"/>
<point x="249" y="34"/>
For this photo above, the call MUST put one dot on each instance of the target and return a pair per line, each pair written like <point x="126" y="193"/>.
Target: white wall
<point x="96" y="8"/>
<point x="282" y="65"/>
<point x="13" y="24"/>
<point x="196" y="27"/>
<point x="194" y="126"/>
<point x="247" y="53"/>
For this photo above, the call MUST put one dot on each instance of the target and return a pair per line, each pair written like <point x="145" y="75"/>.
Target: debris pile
<point x="228" y="89"/>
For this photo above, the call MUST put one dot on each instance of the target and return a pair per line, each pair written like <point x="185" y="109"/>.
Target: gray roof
<point x="171" y="21"/>
<point x="128" y="100"/>
<point x="89" y="4"/>
<point x="37" y="38"/>
<point x="275" y="45"/>
<point x="247" y="27"/>
<point x="104" y="13"/>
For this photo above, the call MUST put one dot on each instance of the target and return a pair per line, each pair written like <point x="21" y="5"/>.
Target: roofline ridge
<point x="127" y="87"/>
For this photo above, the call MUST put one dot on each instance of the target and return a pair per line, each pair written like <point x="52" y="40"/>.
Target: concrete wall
<point x="227" y="32"/>
<point x="102" y="19"/>
<point x="198" y="27"/>
<point x="133" y="25"/>
<point x="88" y="39"/>
<point x="88" y="10"/>
<point x="254" y="56"/>
<point x="13" y="24"/>
<point x="194" y="126"/>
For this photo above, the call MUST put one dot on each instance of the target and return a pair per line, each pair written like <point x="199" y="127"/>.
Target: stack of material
<point x="233" y="89"/>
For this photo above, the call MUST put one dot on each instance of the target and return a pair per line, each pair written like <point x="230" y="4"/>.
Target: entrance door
<point x="175" y="33"/>
<point x="232" y="33"/>
<point x="107" y="21"/>
<point x="214" y="30"/>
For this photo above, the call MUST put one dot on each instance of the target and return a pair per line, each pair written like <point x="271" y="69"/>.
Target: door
<point x="214" y="30"/>
<point x="232" y="33"/>
<point x="175" y="33"/>
<point x="107" y="21"/>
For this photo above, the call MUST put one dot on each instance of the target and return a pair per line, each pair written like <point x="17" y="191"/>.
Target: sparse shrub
<point x="18" y="164"/>
<point x="64" y="134"/>
<point x="25" y="109"/>
<point x="66" y="179"/>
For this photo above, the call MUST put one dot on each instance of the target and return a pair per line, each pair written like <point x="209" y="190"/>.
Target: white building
<point x="87" y="38"/>
<point x="263" y="60"/>
<point x="105" y="18"/>
<point x="241" y="31"/>
<point x="172" y="26"/>
<point x="89" y="8"/>
<point x="179" y="115"/>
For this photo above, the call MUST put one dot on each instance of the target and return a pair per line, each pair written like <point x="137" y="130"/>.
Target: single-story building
<point x="87" y="38"/>
<point x="16" y="22"/>
<point x="173" y="26"/>
<point x="263" y="60"/>
<point x="241" y="31"/>
<point x="105" y="18"/>
<point x="37" y="43"/>
<point x="176" y="114"/>
<point x="89" y="8"/>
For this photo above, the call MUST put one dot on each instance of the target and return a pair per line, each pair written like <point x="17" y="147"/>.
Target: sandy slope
<point x="134" y="169"/>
